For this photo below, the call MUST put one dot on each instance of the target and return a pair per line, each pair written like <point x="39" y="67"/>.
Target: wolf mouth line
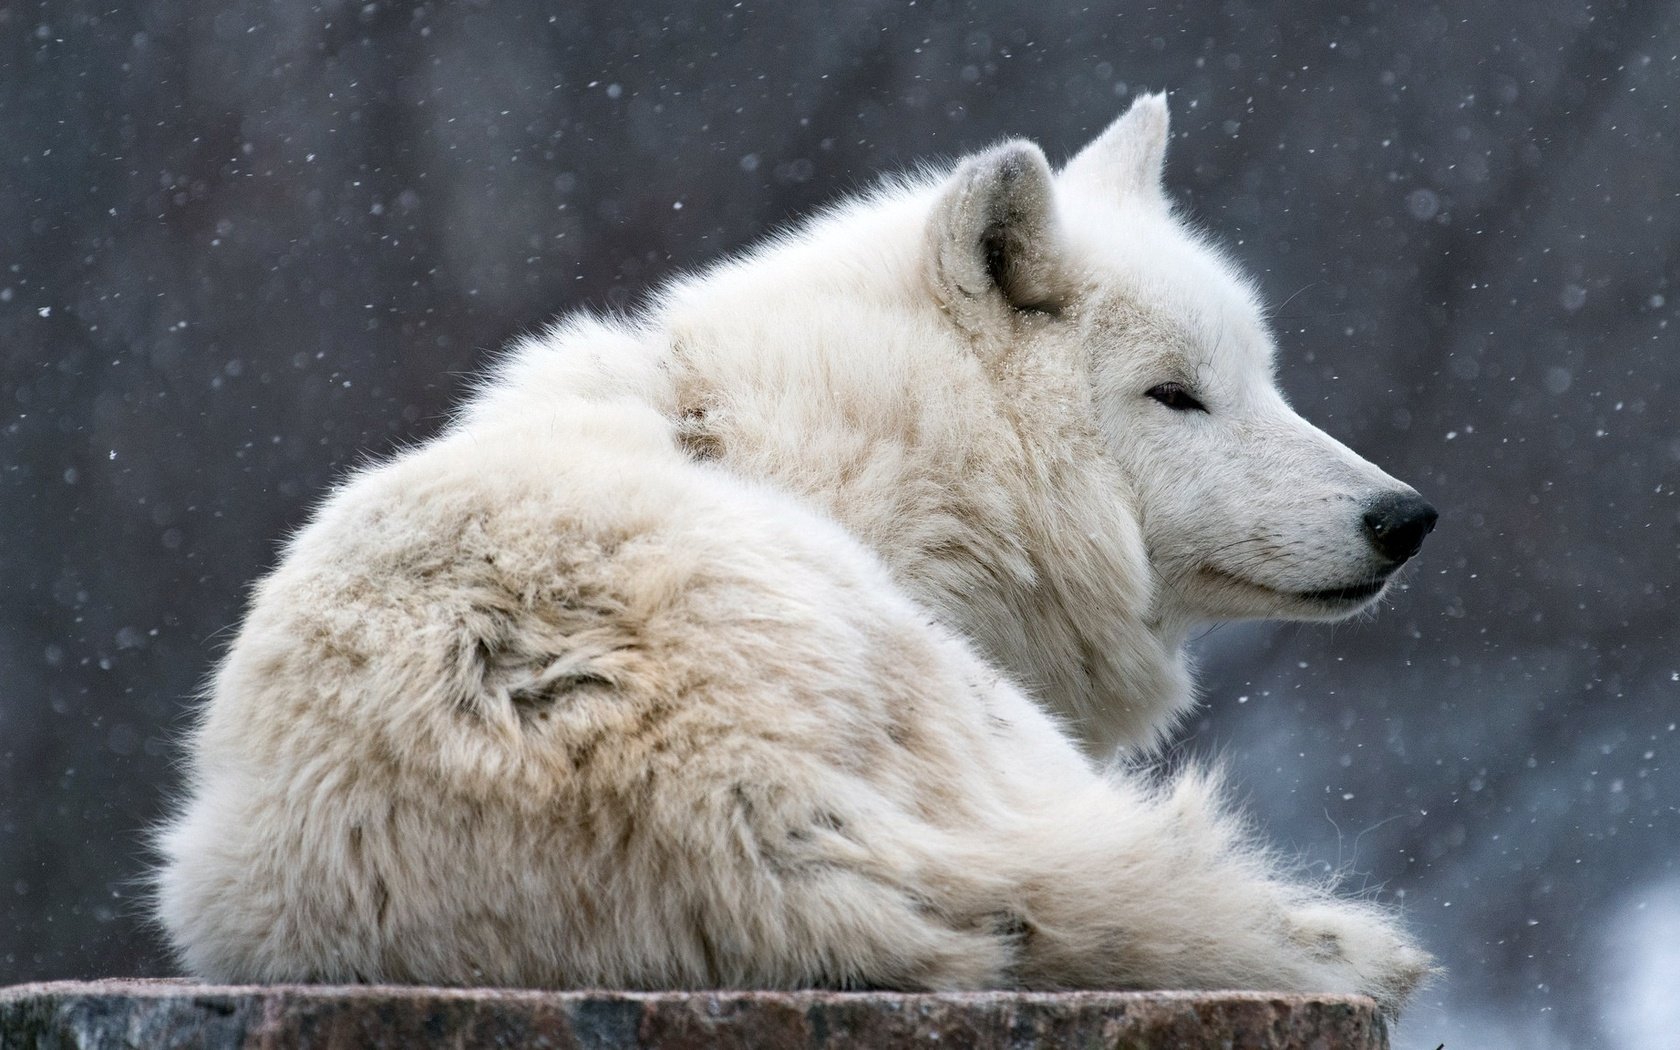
<point x="1355" y="592"/>
<point x="1352" y="592"/>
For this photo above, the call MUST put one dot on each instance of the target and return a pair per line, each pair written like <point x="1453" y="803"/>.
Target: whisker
<point x="1276" y="309"/>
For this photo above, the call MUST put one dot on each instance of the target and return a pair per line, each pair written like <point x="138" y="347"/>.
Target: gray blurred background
<point x="244" y="244"/>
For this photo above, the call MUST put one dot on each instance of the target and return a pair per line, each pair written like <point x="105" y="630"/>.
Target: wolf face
<point x="1245" y="508"/>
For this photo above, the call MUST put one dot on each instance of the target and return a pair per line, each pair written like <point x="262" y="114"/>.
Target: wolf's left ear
<point x="992" y="241"/>
<point x="1129" y="157"/>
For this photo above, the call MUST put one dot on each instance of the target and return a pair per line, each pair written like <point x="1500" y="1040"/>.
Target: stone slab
<point x="93" y="1015"/>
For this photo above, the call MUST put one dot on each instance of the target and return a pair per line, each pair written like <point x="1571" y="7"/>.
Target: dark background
<point x="244" y="244"/>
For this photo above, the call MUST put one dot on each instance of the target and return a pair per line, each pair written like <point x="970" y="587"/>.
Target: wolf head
<point x="1245" y="508"/>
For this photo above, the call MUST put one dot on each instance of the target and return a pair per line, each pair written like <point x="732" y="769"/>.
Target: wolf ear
<point x="992" y="243"/>
<point x="1127" y="159"/>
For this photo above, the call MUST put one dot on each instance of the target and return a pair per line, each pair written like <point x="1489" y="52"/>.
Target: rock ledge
<point x="142" y="1013"/>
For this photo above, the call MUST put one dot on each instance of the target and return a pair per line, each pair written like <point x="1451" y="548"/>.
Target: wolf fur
<point x="784" y="633"/>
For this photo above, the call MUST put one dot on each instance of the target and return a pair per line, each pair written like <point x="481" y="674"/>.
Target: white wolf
<point x="781" y="635"/>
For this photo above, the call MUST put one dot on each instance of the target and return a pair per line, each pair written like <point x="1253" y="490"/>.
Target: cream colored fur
<point x="780" y="635"/>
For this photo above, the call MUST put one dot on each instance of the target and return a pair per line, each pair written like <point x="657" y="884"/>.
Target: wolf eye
<point x="1177" y="398"/>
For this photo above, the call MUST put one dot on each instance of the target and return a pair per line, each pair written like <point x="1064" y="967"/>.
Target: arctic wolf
<point x="784" y="634"/>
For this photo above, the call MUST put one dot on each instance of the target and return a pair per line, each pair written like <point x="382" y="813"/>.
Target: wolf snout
<point x="1397" y="523"/>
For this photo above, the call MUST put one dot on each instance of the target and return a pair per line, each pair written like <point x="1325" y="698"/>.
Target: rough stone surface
<point x="128" y="1013"/>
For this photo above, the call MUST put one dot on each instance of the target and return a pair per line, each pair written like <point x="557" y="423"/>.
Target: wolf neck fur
<point x="957" y="435"/>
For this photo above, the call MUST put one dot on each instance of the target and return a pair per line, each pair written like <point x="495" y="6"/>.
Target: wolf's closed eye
<point x="1174" y="396"/>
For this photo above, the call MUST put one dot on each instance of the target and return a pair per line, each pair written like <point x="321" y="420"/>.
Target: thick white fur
<point x="775" y="636"/>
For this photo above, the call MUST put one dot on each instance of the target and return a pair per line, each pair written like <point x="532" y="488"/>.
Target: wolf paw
<point x="1360" y="949"/>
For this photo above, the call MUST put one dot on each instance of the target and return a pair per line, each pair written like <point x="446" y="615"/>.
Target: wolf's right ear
<point x="1129" y="158"/>
<point x="993" y="247"/>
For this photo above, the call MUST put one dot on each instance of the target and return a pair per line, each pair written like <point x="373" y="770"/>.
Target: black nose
<point x="1397" y="524"/>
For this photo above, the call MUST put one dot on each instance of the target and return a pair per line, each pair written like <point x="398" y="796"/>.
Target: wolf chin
<point x="786" y="633"/>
